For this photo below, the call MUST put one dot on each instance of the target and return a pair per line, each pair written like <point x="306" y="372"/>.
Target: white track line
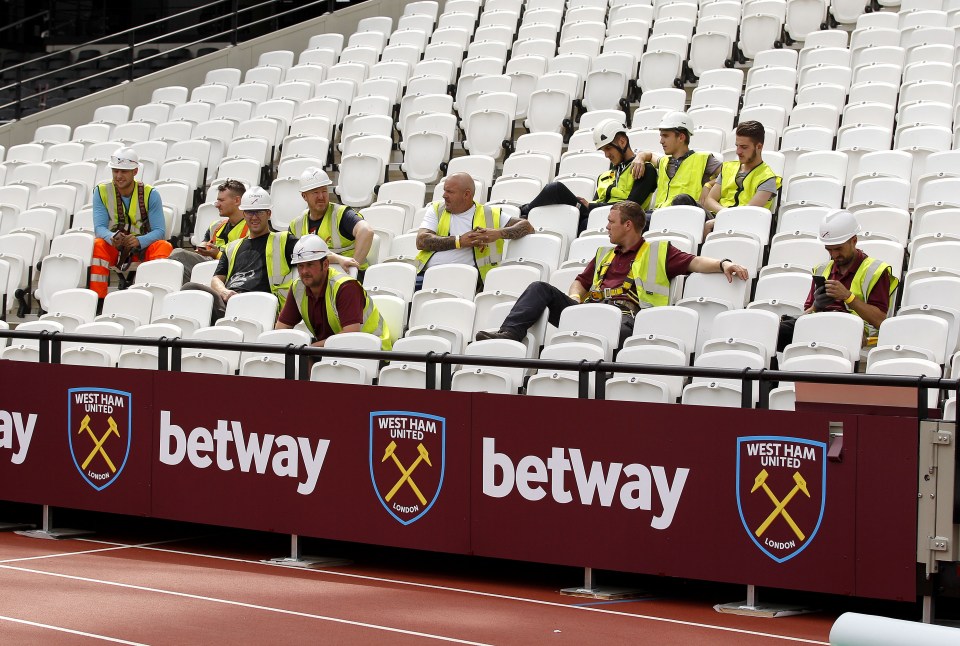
<point x="116" y="546"/>
<point x="494" y="595"/>
<point x="241" y="604"/>
<point x="72" y="632"/>
<point x="498" y="596"/>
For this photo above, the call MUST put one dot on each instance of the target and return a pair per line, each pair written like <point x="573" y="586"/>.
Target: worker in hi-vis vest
<point x="614" y="185"/>
<point x="328" y="301"/>
<point x="459" y="230"/>
<point x="228" y="227"/>
<point x="127" y="219"/>
<point x="631" y="274"/>
<point x="747" y="180"/>
<point x="851" y="280"/>
<point x="342" y="228"/>
<point x="680" y="170"/>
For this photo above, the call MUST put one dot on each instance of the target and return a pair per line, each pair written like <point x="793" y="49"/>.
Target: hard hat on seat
<point x="838" y="226"/>
<point x="308" y="248"/>
<point x="125" y="159"/>
<point x="312" y="178"/>
<point x="256" y="199"/>
<point x="676" y="121"/>
<point x="605" y="132"/>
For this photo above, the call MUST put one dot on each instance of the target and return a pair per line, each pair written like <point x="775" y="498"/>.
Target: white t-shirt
<point x="460" y="223"/>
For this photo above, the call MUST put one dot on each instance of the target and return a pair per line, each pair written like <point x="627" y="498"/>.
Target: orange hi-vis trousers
<point x="105" y="255"/>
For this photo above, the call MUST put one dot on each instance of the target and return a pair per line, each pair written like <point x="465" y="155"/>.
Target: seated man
<point x="853" y="281"/>
<point x="342" y="228"/>
<point x="228" y="228"/>
<point x="632" y="275"/>
<point x="258" y="263"/>
<point x="616" y="185"/>
<point x="459" y="230"/>
<point x="679" y="169"/>
<point x="747" y="181"/>
<point x="326" y="300"/>
<point x="128" y="221"/>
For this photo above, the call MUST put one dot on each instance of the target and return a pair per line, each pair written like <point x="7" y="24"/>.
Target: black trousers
<point x="558" y="193"/>
<point x="539" y="297"/>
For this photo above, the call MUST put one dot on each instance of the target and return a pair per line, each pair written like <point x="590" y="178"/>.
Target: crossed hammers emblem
<point x="98" y="442"/>
<point x="781" y="505"/>
<point x="406" y="472"/>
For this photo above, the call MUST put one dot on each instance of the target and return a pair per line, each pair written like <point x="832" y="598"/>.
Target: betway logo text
<point x="227" y="446"/>
<point x="12" y="427"/>
<point x="603" y="481"/>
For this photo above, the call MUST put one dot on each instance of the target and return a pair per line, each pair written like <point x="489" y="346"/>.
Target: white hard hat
<point x="605" y="132"/>
<point x="676" y="121"/>
<point x="838" y="226"/>
<point x="312" y="178"/>
<point x="308" y="248"/>
<point x="256" y="199"/>
<point x="125" y="159"/>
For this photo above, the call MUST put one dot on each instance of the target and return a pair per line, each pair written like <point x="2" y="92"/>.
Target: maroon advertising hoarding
<point x="75" y="437"/>
<point x="706" y="493"/>
<point x="380" y="465"/>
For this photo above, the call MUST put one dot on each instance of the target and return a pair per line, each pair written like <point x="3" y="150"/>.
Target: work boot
<point x="510" y="335"/>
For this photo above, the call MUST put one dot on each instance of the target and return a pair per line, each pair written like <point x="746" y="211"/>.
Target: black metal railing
<point x="31" y="88"/>
<point x="171" y="350"/>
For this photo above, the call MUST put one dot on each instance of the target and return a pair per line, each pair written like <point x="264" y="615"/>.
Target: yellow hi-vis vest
<point x="864" y="280"/>
<point x="278" y="269"/>
<point x="108" y="195"/>
<point x="615" y="185"/>
<point x="329" y="230"/>
<point x="688" y="178"/>
<point x="486" y="257"/>
<point x="238" y="231"/>
<point x="647" y="283"/>
<point x="373" y="323"/>
<point x="730" y="195"/>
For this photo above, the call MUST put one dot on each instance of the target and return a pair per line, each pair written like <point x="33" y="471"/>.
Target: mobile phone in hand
<point x="818" y="282"/>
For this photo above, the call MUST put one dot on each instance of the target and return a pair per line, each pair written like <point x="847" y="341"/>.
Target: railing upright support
<point x="235" y="21"/>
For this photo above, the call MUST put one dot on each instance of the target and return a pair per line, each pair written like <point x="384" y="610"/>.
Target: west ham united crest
<point x="99" y="426"/>
<point x="781" y="492"/>
<point x="407" y="452"/>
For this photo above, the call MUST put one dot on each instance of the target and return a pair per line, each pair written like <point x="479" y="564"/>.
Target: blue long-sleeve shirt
<point x="158" y="228"/>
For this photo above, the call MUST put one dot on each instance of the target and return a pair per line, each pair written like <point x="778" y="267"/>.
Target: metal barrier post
<point x="163" y="355"/>
<point x="446" y="375"/>
<point x="47" y="530"/>
<point x="289" y="363"/>
<point x="746" y="390"/>
<point x="297" y="559"/>
<point x="132" y="44"/>
<point x="234" y="12"/>
<point x="303" y="367"/>
<point x="174" y="357"/>
<point x="591" y="591"/>
<point x="583" y="381"/>
<point x="431" y="371"/>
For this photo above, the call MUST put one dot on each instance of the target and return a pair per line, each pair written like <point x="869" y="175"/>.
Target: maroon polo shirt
<point x="350" y="302"/>
<point x="678" y="264"/>
<point x="879" y="296"/>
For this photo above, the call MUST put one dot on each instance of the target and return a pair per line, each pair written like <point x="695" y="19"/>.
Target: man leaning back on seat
<point x="632" y="275"/>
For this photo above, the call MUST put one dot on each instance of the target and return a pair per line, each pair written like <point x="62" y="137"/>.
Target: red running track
<point x="207" y="590"/>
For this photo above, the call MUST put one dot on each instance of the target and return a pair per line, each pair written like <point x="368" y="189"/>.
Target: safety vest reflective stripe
<point x="373" y="323"/>
<point x="730" y="195"/>
<point x="329" y="229"/>
<point x="108" y="195"/>
<point x="865" y="279"/>
<point x="278" y="271"/>
<point x="484" y="216"/>
<point x="688" y="178"/>
<point x="238" y="231"/>
<point x="655" y="285"/>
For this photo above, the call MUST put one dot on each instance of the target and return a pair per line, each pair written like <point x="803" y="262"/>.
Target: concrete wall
<point x="191" y="73"/>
